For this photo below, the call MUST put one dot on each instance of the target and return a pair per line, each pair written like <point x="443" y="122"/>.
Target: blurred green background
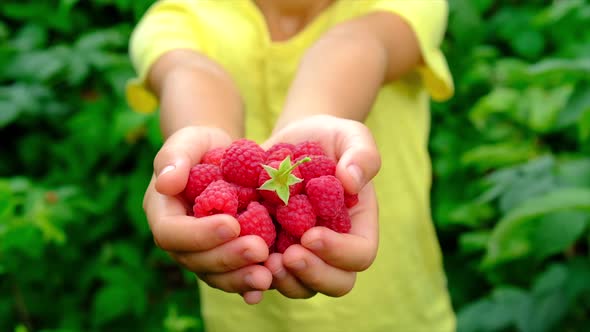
<point x="511" y="153"/>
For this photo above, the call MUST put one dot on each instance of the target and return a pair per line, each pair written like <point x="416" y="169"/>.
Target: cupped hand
<point x="209" y="246"/>
<point x="326" y="261"/>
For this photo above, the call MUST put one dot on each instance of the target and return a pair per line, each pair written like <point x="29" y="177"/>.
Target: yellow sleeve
<point x="428" y="19"/>
<point x="167" y="25"/>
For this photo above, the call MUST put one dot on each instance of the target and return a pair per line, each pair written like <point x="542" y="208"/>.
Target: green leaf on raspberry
<point x="282" y="178"/>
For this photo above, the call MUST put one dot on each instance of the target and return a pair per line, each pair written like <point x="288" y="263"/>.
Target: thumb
<point x="180" y="152"/>
<point x="359" y="160"/>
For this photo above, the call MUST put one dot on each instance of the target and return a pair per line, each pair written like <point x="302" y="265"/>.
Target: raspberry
<point x="280" y="146"/>
<point x="213" y="156"/>
<point x="218" y="197"/>
<point x="241" y="163"/>
<point x="326" y="195"/>
<point x="245" y="196"/>
<point x="308" y="149"/>
<point x="340" y="223"/>
<point x="284" y="241"/>
<point x="278" y="155"/>
<point x="271" y="208"/>
<point x="271" y="196"/>
<point x="350" y="200"/>
<point x="200" y="176"/>
<point x="256" y="221"/>
<point x="318" y="166"/>
<point x="297" y="216"/>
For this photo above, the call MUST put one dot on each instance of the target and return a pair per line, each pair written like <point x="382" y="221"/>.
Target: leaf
<point x="549" y="302"/>
<point x="577" y="105"/>
<point x="31" y="36"/>
<point x="557" y="231"/>
<point x="499" y="100"/>
<point x="488" y="156"/>
<point x="111" y="302"/>
<point x="495" y="313"/>
<point x="528" y="43"/>
<point x="24" y="239"/>
<point x="509" y="236"/>
<point x="543" y="106"/>
<point x="584" y="126"/>
<point x="9" y="113"/>
<point x="282" y="178"/>
<point x="525" y="187"/>
<point x="573" y="172"/>
<point x="474" y="241"/>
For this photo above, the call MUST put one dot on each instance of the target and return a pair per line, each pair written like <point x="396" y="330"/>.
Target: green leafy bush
<point x="511" y="195"/>
<point x="512" y="166"/>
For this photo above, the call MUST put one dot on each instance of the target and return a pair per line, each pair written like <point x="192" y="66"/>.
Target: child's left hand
<point x="326" y="261"/>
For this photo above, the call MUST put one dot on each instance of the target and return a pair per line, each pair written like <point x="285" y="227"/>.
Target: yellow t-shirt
<point x="405" y="289"/>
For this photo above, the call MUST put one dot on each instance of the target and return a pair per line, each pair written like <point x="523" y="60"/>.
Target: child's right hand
<point x="210" y="246"/>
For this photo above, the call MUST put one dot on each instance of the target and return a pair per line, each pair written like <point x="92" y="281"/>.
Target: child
<point x="353" y="75"/>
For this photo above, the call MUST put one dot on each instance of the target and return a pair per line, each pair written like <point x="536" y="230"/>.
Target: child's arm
<point x="195" y="91"/>
<point x="342" y="73"/>
<point x="200" y="110"/>
<point x="340" y="76"/>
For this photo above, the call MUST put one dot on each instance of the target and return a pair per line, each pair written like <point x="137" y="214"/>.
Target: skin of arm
<point x="343" y="71"/>
<point x="195" y="91"/>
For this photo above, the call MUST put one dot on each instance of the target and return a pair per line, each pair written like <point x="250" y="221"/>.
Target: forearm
<point x="342" y="73"/>
<point x="194" y="91"/>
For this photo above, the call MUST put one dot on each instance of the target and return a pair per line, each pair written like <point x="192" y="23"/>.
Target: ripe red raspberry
<point x="241" y="163"/>
<point x="271" y="196"/>
<point x="284" y="241"/>
<point x="213" y="156"/>
<point x="245" y="196"/>
<point x="318" y="166"/>
<point x="308" y="149"/>
<point x="326" y="195"/>
<point x="297" y="216"/>
<point x="218" y="197"/>
<point x="350" y="200"/>
<point x="270" y="207"/>
<point x="200" y="176"/>
<point x="256" y="221"/>
<point x="340" y="223"/>
<point x="279" y="146"/>
<point x="278" y="155"/>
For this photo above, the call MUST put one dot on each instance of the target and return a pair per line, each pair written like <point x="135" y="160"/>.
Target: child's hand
<point x="327" y="261"/>
<point x="210" y="246"/>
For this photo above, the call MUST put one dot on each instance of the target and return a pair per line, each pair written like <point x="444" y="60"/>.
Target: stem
<point x="21" y="306"/>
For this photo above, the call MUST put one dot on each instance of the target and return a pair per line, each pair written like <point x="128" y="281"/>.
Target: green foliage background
<point x="511" y="154"/>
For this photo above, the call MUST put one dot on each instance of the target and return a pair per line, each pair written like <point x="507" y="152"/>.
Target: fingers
<point x="173" y="230"/>
<point x="349" y="141"/>
<point x="316" y="274"/>
<point x="285" y="282"/>
<point x="356" y="250"/>
<point x="358" y="157"/>
<point x="246" y="279"/>
<point x="252" y="297"/>
<point x="180" y="152"/>
<point x="230" y="256"/>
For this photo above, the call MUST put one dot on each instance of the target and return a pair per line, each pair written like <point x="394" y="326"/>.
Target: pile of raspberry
<point x="276" y="194"/>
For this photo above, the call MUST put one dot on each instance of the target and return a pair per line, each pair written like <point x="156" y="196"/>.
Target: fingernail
<point x="249" y="280"/>
<point x="298" y="265"/>
<point x="280" y="273"/>
<point x="225" y="233"/>
<point x="167" y="169"/>
<point x="315" y="245"/>
<point x="356" y="173"/>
